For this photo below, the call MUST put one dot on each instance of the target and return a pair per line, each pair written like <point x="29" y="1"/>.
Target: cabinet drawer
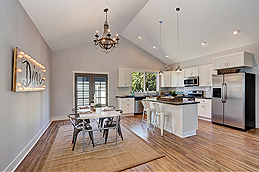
<point x="206" y="101"/>
<point x="125" y="100"/>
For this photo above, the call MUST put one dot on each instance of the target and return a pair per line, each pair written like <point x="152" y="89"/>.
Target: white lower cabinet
<point x="204" y="108"/>
<point x="126" y="105"/>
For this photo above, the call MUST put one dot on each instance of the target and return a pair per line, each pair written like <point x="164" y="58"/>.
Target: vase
<point x="98" y="110"/>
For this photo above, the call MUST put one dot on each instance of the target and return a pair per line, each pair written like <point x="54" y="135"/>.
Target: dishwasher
<point x="138" y="105"/>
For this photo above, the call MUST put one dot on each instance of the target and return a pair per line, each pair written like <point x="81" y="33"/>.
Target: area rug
<point x="133" y="151"/>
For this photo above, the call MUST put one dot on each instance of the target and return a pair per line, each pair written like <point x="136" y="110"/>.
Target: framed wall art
<point x="28" y="74"/>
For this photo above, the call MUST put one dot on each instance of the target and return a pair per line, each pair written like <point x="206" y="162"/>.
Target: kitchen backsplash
<point x="120" y="91"/>
<point x="206" y="90"/>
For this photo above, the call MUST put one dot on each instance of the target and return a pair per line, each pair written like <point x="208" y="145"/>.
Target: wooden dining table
<point x="85" y="114"/>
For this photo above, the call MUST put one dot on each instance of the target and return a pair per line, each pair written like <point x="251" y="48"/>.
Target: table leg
<point x="117" y="121"/>
<point x="83" y="136"/>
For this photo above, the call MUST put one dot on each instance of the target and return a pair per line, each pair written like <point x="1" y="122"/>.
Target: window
<point x="141" y="81"/>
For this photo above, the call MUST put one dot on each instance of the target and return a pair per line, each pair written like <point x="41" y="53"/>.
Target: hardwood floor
<point x="214" y="148"/>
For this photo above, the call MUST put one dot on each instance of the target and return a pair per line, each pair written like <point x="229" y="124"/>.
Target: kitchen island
<point x="184" y="116"/>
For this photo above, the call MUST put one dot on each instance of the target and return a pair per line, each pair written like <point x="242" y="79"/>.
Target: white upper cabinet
<point x="219" y="62"/>
<point x="205" y="73"/>
<point x="174" y="79"/>
<point x="181" y="78"/>
<point x="236" y="60"/>
<point x="189" y="72"/>
<point x="167" y="79"/>
<point x="124" y="77"/>
<point x="204" y="77"/>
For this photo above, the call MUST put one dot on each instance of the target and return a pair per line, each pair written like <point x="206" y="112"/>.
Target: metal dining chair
<point x="101" y="120"/>
<point x="160" y="112"/>
<point x="78" y="127"/>
<point x="112" y="123"/>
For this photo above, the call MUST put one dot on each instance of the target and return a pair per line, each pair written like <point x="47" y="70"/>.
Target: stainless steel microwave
<point x="191" y="81"/>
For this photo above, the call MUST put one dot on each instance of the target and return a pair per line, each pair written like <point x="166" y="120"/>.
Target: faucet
<point x="147" y="92"/>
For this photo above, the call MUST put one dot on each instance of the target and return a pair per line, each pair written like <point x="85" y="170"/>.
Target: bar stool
<point x="146" y="110"/>
<point x="160" y="111"/>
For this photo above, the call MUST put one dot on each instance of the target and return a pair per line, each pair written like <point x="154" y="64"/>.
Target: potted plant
<point x="98" y="107"/>
<point x="173" y="94"/>
<point x="92" y="103"/>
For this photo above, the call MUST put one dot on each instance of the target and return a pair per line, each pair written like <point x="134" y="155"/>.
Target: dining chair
<point x="148" y="110"/>
<point x="78" y="127"/>
<point x="102" y="119"/>
<point x="160" y="112"/>
<point x="111" y="122"/>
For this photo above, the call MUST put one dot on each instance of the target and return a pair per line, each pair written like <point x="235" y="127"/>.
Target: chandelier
<point x="106" y="42"/>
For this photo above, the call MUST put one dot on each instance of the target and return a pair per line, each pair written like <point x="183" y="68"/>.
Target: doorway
<point x="86" y="85"/>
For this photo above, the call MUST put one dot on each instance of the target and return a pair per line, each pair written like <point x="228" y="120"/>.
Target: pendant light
<point x="178" y="69"/>
<point x="161" y="71"/>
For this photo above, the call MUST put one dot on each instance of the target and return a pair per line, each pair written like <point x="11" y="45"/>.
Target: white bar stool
<point x="160" y="111"/>
<point x="146" y="110"/>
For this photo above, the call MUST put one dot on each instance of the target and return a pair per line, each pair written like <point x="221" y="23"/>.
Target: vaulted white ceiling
<point x="66" y="23"/>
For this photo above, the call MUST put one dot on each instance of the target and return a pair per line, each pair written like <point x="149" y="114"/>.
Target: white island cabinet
<point x="184" y="117"/>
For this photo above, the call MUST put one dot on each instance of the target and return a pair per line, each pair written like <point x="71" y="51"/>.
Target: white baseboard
<point x="256" y="125"/>
<point x="18" y="159"/>
<point x="205" y="119"/>
<point x="59" y="118"/>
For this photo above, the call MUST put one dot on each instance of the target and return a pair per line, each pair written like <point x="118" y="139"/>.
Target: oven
<point x="191" y="81"/>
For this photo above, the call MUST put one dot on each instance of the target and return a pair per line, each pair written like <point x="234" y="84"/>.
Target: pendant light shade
<point x="178" y="69"/>
<point x="161" y="72"/>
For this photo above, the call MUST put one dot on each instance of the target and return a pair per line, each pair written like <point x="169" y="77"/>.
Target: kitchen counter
<point x="142" y="96"/>
<point x="184" y="117"/>
<point x="184" y="102"/>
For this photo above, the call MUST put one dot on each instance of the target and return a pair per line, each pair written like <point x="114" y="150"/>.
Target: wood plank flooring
<point x="214" y="148"/>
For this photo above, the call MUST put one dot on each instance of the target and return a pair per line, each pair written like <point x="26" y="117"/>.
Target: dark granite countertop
<point x="184" y="102"/>
<point x="130" y="96"/>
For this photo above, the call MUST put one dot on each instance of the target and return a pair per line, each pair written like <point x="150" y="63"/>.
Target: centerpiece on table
<point x="98" y="107"/>
<point x="92" y="103"/>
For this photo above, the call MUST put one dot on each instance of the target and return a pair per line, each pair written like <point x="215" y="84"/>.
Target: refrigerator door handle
<point x="222" y="93"/>
<point x="225" y="92"/>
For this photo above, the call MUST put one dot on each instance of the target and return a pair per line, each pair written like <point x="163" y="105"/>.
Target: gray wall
<point x="87" y="58"/>
<point x="22" y="114"/>
<point x="254" y="48"/>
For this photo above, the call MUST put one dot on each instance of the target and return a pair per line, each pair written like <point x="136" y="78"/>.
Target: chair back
<point x="156" y="105"/>
<point x="144" y="104"/>
<point x="147" y="104"/>
<point x="74" y="118"/>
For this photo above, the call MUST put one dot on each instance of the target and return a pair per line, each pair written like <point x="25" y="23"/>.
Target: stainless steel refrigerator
<point x="233" y="100"/>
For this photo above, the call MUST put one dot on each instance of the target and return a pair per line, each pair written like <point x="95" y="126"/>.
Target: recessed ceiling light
<point x="154" y="47"/>
<point x="139" y="37"/>
<point x="204" y="43"/>
<point x="167" y="56"/>
<point x="236" y="32"/>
